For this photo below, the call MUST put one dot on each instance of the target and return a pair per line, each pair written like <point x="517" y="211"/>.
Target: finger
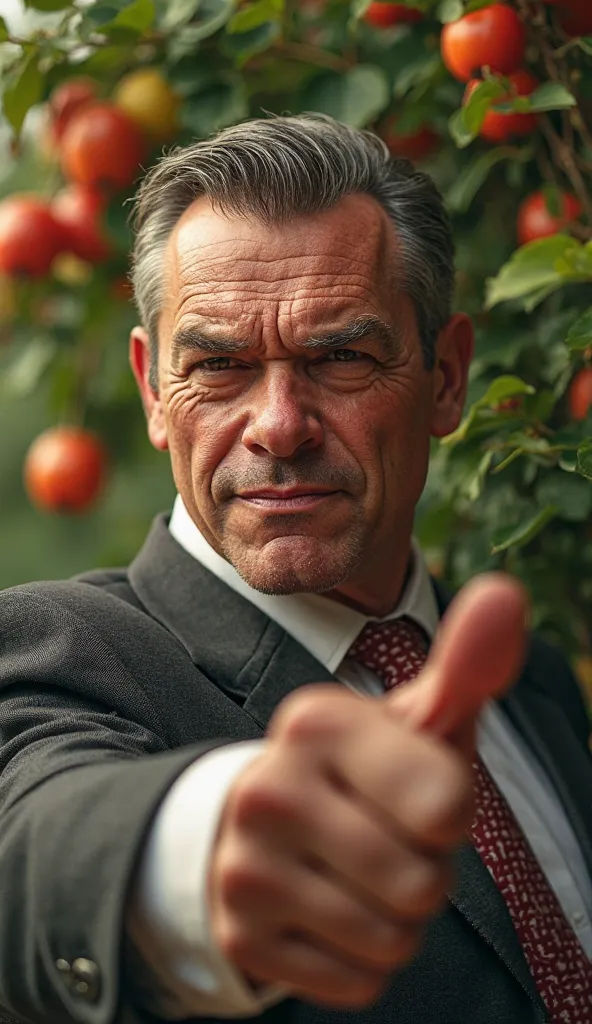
<point x="328" y="913"/>
<point x="477" y="655"/>
<point x="408" y="778"/>
<point x="383" y="869"/>
<point x="303" y="969"/>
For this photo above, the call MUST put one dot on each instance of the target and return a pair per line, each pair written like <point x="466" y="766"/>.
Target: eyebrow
<point x="363" y="327"/>
<point x="357" y="330"/>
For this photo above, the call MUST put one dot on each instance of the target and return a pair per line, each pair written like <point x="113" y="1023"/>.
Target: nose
<point x="283" y="421"/>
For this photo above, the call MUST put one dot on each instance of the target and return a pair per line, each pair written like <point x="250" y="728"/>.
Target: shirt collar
<point x="325" y="628"/>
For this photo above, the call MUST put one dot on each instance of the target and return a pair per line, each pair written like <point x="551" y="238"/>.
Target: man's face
<point x="293" y="395"/>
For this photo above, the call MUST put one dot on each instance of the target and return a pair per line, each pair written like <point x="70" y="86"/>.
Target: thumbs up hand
<point x="336" y="844"/>
<point x="477" y="653"/>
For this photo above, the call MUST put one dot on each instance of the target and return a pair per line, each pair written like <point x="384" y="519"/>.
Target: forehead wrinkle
<point x="193" y="338"/>
<point x="202" y="273"/>
<point x="205" y="271"/>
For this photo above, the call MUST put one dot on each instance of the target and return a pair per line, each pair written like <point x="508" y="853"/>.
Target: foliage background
<point x="513" y="488"/>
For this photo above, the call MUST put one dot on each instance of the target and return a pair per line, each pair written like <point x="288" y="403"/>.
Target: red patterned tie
<point x="395" y="651"/>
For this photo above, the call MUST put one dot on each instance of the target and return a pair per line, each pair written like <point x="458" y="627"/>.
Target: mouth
<point x="292" y="499"/>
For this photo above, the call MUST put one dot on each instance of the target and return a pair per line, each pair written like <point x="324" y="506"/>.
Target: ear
<point x="141" y="362"/>
<point x="454" y="351"/>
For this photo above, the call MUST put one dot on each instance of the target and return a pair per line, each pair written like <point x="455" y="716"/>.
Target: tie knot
<point x="395" y="650"/>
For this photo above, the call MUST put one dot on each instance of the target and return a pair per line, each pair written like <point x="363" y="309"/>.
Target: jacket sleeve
<point x="81" y="779"/>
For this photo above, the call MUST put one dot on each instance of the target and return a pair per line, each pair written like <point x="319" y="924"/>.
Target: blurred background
<point x="493" y="99"/>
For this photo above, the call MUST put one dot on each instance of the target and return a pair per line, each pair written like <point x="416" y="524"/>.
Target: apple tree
<point x="493" y="99"/>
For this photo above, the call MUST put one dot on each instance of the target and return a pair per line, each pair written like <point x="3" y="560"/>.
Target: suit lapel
<point x="233" y="643"/>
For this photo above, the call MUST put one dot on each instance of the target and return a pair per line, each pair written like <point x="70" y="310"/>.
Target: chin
<point x="296" y="564"/>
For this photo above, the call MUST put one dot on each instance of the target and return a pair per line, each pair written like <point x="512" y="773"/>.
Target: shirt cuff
<point x="168" y="920"/>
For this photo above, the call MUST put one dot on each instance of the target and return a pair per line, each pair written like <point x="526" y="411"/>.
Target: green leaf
<point x="101" y="14"/>
<point x="477" y="5"/>
<point x="584" y="461"/>
<point x="461" y="194"/>
<point x="458" y="131"/>
<point x="254" y="15"/>
<point x="533" y="271"/>
<point x="418" y="74"/>
<point x="49" y="5"/>
<point x="585" y="44"/>
<point x="465" y="124"/>
<point x="472" y="485"/>
<point x="222" y="104"/>
<point x="552" y="197"/>
<point x="4" y="33"/>
<point x="359" y="7"/>
<point x="138" y="16"/>
<point x="571" y="495"/>
<point x="568" y="462"/>
<point x="549" y="96"/>
<point x="450" y="10"/>
<point x="244" y="45"/>
<point x="502" y="387"/>
<point x="25" y="88"/>
<point x="529" y="444"/>
<point x="579" y="336"/>
<point x="24" y="374"/>
<point x="208" y="15"/>
<point x="518" y="536"/>
<point x="356" y="97"/>
<point x="178" y="13"/>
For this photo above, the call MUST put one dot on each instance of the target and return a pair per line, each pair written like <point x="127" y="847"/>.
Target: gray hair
<point x="278" y="168"/>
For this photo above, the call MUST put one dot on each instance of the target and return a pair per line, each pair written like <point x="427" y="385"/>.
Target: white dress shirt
<point x="169" y="919"/>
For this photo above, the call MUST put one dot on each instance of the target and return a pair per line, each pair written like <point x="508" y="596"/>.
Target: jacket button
<point x="86" y="979"/>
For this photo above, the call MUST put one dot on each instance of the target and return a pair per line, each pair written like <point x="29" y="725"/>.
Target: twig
<point x="564" y="155"/>
<point x="563" y="146"/>
<point x="310" y="54"/>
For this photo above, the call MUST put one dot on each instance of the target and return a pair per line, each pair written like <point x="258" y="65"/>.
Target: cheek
<point x="399" y="430"/>
<point x="201" y="434"/>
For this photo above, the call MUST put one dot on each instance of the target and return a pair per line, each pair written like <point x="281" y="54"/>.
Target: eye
<point x="216" y="364"/>
<point x="345" y="355"/>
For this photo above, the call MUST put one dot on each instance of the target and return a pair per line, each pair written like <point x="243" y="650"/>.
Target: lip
<point x="293" y="499"/>
<point x="281" y="494"/>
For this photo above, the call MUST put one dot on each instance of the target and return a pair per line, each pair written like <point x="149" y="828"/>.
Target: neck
<point x="374" y="593"/>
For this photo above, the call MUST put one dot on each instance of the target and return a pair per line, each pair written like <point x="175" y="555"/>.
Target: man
<point x="187" y="828"/>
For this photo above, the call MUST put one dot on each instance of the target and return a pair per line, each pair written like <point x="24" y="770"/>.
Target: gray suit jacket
<point x="111" y="685"/>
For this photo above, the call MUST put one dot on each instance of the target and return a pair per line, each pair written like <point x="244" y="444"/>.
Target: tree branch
<point x="310" y="54"/>
<point x="563" y="145"/>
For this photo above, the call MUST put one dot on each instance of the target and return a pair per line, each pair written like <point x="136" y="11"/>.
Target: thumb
<point x="477" y="654"/>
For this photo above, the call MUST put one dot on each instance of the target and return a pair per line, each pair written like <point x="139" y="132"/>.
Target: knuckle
<point x="309" y="713"/>
<point x="238" y="878"/>
<point x="421" y="889"/>
<point x="235" y="942"/>
<point x="443" y="799"/>
<point x="455" y="799"/>
<point x="394" y="945"/>
<point x="263" y="796"/>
